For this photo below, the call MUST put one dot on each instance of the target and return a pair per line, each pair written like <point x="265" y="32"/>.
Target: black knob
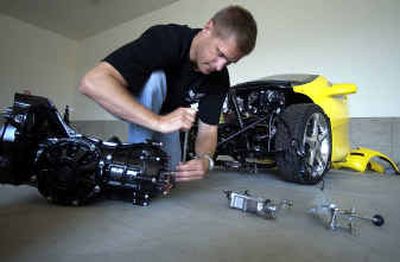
<point x="378" y="220"/>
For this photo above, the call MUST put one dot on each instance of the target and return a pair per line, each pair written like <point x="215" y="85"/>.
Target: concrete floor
<point x="194" y="223"/>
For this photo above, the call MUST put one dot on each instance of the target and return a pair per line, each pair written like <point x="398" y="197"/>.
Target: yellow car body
<point x="300" y="121"/>
<point x="333" y="99"/>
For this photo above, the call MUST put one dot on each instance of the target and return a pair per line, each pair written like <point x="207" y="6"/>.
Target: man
<point x="151" y="82"/>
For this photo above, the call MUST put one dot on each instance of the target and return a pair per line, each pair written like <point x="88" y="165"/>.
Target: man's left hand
<point x="192" y="170"/>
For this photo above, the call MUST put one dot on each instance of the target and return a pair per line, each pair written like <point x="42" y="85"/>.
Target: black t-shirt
<point x="166" y="47"/>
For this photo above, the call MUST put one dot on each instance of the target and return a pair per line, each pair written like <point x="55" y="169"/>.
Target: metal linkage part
<point x="265" y="208"/>
<point x="336" y="218"/>
<point x="194" y="106"/>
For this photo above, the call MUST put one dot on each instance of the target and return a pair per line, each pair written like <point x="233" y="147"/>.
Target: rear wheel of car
<point x="304" y="144"/>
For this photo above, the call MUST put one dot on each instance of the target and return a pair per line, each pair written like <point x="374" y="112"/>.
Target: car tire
<point x="303" y="144"/>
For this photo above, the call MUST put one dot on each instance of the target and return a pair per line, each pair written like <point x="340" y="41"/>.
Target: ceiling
<point x="78" y="19"/>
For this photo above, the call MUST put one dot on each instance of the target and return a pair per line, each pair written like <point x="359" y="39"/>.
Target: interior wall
<point x="347" y="41"/>
<point x="37" y="60"/>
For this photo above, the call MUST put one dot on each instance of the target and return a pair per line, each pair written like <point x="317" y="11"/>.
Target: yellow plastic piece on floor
<point x="361" y="159"/>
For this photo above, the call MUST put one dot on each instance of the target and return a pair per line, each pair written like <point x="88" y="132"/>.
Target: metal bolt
<point x="97" y="189"/>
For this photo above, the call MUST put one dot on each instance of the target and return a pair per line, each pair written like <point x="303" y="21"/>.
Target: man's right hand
<point x="181" y="119"/>
<point x="105" y="85"/>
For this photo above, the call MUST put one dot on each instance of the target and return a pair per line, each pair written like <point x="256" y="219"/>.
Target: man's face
<point x="213" y="53"/>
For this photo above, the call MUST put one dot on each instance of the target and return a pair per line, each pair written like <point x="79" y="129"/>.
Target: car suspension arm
<point x="252" y="125"/>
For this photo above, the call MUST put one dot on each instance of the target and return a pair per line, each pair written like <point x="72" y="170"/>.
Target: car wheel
<point x="303" y="143"/>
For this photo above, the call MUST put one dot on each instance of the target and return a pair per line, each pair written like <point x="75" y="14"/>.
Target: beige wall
<point x="352" y="41"/>
<point x="347" y="41"/>
<point x="37" y="60"/>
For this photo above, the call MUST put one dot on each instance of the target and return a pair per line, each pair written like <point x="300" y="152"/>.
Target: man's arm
<point x="206" y="142"/>
<point x="105" y="85"/>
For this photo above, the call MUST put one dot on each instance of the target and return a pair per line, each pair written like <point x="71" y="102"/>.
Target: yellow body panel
<point x="332" y="98"/>
<point x="362" y="158"/>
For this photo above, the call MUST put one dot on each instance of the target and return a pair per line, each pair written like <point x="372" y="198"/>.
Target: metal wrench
<point x="194" y="106"/>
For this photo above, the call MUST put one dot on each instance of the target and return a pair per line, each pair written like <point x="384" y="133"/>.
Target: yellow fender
<point x="332" y="98"/>
<point x="361" y="158"/>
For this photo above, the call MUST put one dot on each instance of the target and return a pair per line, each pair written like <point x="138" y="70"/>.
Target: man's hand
<point x="197" y="168"/>
<point x="180" y="119"/>
<point x="105" y="85"/>
<point x="192" y="170"/>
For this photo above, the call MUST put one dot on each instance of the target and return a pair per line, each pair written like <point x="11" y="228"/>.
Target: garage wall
<point x="353" y="41"/>
<point x="347" y="41"/>
<point x="37" y="60"/>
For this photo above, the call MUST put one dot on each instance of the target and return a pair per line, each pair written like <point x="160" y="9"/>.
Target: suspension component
<point x="336" y="218"/>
